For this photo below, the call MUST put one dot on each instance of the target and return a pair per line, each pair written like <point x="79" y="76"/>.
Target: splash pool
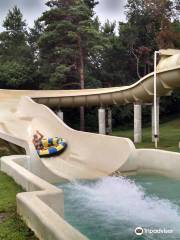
<point x="111" y="208"/>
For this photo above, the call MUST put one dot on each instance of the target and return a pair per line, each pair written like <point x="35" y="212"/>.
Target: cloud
<point x="32" y="9"/>
<point x="110" y="6"/>
<point x="111" y="9"/>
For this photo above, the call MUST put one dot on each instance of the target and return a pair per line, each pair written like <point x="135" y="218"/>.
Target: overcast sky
<point x="32" y="9"/>
<point x="111" y="9"/>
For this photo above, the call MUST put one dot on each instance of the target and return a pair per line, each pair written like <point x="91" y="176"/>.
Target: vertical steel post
<point x="155" y="100"/>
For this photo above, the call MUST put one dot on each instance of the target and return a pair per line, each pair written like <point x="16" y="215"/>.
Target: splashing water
<point x="111" y="208"/>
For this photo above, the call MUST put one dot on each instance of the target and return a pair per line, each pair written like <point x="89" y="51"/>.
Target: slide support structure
<point x="60" y="114"/>
<point x="157" y="120"/>
<point x="137" y="123"/>
<point x="102" y="120"/>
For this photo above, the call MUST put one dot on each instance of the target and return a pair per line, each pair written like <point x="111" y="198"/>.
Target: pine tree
<point x="70" y="37"/>
<point x="16" y="60"/>
<point x="33" y="36"/>
<point x="91" y="5"/>
<point x="13" y="39"/>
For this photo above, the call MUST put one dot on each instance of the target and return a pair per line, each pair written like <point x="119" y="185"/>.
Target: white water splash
<point x="120" y="199"/>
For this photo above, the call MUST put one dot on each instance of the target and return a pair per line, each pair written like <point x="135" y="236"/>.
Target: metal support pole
<point x="157" y="119"/>
<point x="155" y="100"/>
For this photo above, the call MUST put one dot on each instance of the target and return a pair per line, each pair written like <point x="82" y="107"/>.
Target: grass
<point x="169" y="136"/>
<point x="11" y="226"/>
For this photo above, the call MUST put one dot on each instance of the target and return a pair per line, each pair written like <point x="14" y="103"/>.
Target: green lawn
<point x="11" y="226"/>
<point x="169" y="136"/>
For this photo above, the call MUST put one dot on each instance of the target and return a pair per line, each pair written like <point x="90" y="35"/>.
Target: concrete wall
<point x="42" y="207"/>
<point x="154" y="161"/>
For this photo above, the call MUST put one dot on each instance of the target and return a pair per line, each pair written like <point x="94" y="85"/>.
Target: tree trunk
<point x="137" y="62"/>
<point x="81" y="74"/>
<point x="145" y="69"/>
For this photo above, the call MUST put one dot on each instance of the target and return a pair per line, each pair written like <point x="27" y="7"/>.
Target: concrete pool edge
<point x="157" y="161"/>
<point x="42" y="206"/>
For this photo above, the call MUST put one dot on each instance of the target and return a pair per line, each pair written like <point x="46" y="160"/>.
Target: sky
<point x="32" y="9"/>
<point x="111" y="9"/>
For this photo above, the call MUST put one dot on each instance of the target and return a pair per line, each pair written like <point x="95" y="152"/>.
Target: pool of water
<point x="111" y="208"/>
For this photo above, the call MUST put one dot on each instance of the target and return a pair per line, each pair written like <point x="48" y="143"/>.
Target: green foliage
<point x="33" y="37"/>
<point x="13" y="45"/>
<point x="147" y="31"/>
<point x="14" y="21"/>
<point x="176" y="31"/>
<point x="15" y="75"/>
<point x="123" y="116"/>
<point x="16" y="60"/>
<point x="170" y="105"/>
<point x="69" y="38"/>
<point x="91" y="4"/>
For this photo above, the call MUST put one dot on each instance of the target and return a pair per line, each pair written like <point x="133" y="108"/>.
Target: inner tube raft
<point x="52" y="147"/>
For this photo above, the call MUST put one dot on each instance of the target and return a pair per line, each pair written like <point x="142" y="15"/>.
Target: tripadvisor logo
<point x="139" y="231"/>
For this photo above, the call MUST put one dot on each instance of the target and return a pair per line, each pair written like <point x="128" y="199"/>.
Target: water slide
<point x="88" y="155"/>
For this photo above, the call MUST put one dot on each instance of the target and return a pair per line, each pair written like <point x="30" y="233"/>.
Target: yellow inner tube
<point x="52" y="146"/>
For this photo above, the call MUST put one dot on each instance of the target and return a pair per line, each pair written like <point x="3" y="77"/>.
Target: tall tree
<point x="69" y="38"/>
<point x="16" y="60"/>
<point x="148" y="30"/>
<point x="33" y="36"/>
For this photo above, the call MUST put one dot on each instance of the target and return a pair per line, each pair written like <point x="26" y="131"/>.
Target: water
<point x="111" y="208"/>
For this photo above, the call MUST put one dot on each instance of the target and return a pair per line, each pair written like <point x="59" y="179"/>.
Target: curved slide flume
<point x="88" y="155"/>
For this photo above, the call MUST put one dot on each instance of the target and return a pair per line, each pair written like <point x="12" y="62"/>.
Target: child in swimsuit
<point x="37" y="140"/>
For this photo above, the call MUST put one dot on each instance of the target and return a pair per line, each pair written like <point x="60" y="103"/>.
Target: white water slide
<point x="88" y="155"/>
